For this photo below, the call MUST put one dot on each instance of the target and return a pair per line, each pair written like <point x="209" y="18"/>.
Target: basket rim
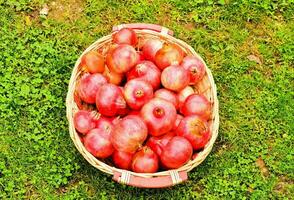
<point x="70" y="104"/>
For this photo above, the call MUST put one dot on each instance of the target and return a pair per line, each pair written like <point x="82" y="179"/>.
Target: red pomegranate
<point x="177" y="122"/>
<point x="158" y="143"/>
<point x="176" y="153"/>
<point x="93" y="62"/>
<point x="109" y="100"/>
<point x="195" y="67"/>
<point x="183" y="95"/>
<point x="150" y="48"/>
<point x="89" y="85"/>
<point x="175" y="78"/>
<point x="194" y="156"/>
<point x="82" y="139"/>
<point x="115" y="120"/>
<point x="80" y="104"/>
<point x="137" y="93"/>
<point x="197" y="104"/>
<point x="194" y="129"/>
<point x="125" y="36"/>
<point x="104" y="123"/>
<point x="122" y="159"/>
<point x="122" y="58"/>
<point x="159" y="116"/>
<point x="97" y="142"/>
<point x="168" y="96"/>
<point x="141" y="56"/>
<point x="124" y="111"/>
<point x="169" y="54"/>
<point x="83" y="121"/>
<point x="146" y="71"/>
<point x="135" y="112"/>
<point x="129" y="134"/>
<point x="113" y="77"/>
<point x="145" y="161"/>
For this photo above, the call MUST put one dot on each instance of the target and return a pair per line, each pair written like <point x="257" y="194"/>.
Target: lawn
<point x="248" y="45"/>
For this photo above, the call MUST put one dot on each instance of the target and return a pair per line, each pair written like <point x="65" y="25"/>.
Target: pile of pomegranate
<point x="138" y="107"/>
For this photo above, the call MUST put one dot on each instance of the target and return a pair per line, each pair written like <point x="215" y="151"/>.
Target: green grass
<point x="253" y="157"/>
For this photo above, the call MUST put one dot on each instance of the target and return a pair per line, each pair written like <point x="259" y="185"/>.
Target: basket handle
<point x="141" y="26"/>
<point x="174" y="177"/>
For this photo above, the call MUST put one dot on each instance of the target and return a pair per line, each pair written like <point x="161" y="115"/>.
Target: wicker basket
<point x="145" y="180"/>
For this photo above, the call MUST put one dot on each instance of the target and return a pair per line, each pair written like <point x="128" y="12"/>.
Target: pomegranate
<point x="111" y="48"/>
<point x="194" y="129"/>
<point x="97" y="142"/>
<point x="197" y="104"/>
<point x="93" y="62"/>
<point x="115" y="120"/>
<point x="194" y="156"/>
<point x="104" y="123"/>
<point x="159" y="116"/>
<point x="137" y="93"/>
<point x="95" y="115"/>
<point x="124" y="111"/>
<point x="125" y="36"/>
<point x="83" y="121"/>
<point x="169" y="54"/>
<point x="82" y="139"/>
<point x="89" y="85"/>
<point x="146" y="71"/>
<point x="167" y="95"/>
<point x="141" y="56"/>
<point x="113" y="77"/>
<point x="135" y="112"/>
<point x="150" y="48"/>
<point x="158" y="143"/>
<point x="195" y="67"/>
<point x="175" y="78"/>
<point x="183" y="95"/>
<point x="145" y="161"/>
<point x="122" y="58"/>
<point x="176" y="153"/>
<point x="122" y="159"/>
<point x="109" y="100"/>
<point x="121" y="88"/>
<point x="177" y="122"/>
<point x="129" y="134"/>
<point x="79" y="101"/>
